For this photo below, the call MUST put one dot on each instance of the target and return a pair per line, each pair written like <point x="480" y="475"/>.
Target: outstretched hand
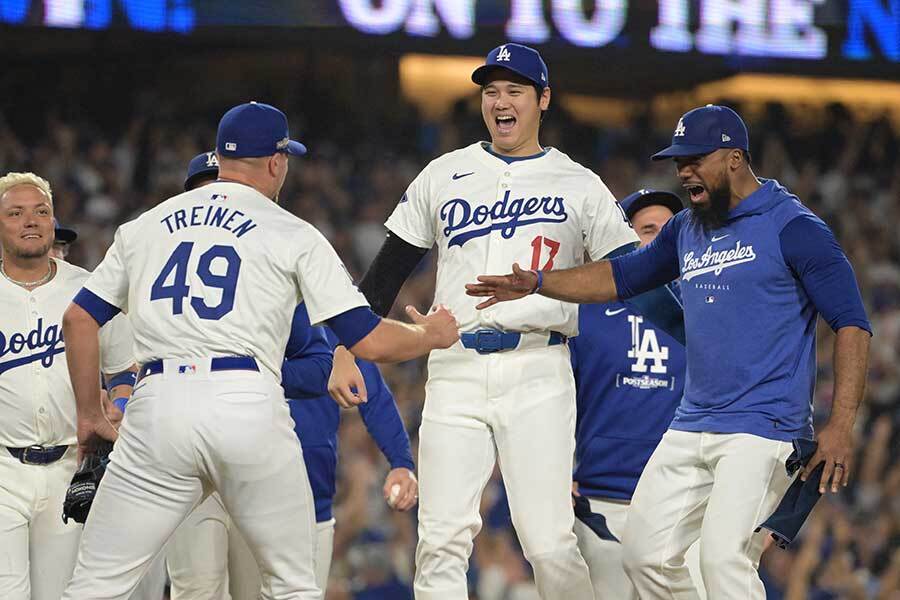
<point x="502" y="288"/>
<point x="440" y="325"/>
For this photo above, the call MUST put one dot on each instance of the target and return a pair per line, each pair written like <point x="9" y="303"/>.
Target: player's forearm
<point x="851" y="357"/>
<point x="393" y="341"/>
<point x="590" y="283"/>
<point x="80" y="332"/>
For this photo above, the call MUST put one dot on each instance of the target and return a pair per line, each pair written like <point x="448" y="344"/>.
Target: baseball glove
<point x="84" y="483"/>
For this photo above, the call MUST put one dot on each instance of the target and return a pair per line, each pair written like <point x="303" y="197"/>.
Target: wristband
<point x="540" y="281"/>
<point x="120" y="403"/>
<point x="123" y="378"/>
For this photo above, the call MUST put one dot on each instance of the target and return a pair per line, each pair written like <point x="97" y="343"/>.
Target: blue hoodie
<point x="752" y="291"/>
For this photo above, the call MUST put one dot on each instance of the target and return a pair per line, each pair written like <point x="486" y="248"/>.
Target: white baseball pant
<point x="517" y="407"/>
<point x="244" y="574"/>
<point x="604" y="557"/>
<point x="711" y="487"/>
<point x="197" y="554"/>
<point x="228" y="431"/>
<point x="37" y="550"/>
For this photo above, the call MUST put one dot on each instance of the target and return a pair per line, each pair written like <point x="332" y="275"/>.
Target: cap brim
<point x="676" y="150"/>
<point x="66" y="236"/>
<point x="667" y="199"/>
<point x="295" y="148"/>
<point x="193" y="177"/>
<point x="480" y="74"/>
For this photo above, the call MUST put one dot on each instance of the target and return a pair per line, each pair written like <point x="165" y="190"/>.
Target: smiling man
<point x="506" y="391"/>
<point x="37" y="405"/>
<point x="757" y="268"/>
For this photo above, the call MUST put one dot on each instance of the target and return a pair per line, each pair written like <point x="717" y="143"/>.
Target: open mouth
<point x="31" y="236"/>
<point x="697" y="192"/>
<point x="505" y="123"/>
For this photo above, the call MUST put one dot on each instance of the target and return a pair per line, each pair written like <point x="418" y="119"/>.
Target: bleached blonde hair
<point x="10" y="180"/>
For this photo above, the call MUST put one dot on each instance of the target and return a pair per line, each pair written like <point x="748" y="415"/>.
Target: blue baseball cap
<point x="704" y="130"/>
<point x="63" y="234"/>
<point x="517" y="58"/>
<point x="255" y="129"/>
<point x="204" y="164"/>
<point x="643" y="198"/>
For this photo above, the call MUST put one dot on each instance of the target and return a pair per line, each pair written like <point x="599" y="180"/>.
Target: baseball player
<point x="210" y="279"/>
<point x="757" y="268"/>
<point x="198" y="552"/>
<point x="629" y="378"/>
<point x="37" y="406"/>
<point x="62" y="241"/>
<point x="505" y="392"/>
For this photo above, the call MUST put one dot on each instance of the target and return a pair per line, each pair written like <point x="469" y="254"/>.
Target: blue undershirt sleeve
<point x="649" y="267"/>
<point x="663" y="309"/>
<point x="353" y="325"/>
<point x="307" y="361"/>
<point x="818" y="261"/>
<point x="383" y="420"/>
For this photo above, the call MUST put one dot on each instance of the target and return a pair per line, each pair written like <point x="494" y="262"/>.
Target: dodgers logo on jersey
<point x="48" y="341"/>
<point x="645" y="348"/>
<point x="506" y="215"/>
<point x="715" y="261"/>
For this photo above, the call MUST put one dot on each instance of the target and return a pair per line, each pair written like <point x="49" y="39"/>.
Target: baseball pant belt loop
<point x="37" y="454"/>
<point x="221" y="363"/>
<point x="488" y="341"/>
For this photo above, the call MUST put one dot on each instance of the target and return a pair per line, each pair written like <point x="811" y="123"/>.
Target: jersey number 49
<point x="178" y="290"/>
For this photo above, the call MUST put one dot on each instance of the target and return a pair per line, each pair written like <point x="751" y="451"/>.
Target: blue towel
<point x="800" y="498"/>
<point x="595" y="521"/>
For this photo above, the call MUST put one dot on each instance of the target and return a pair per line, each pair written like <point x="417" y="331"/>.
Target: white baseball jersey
<point x="486" y="214"/>
<point x="218" y="271"/>
<point x="37" y="404"/>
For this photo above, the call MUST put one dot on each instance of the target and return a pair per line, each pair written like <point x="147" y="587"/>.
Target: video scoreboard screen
<point x="851" y="32"/>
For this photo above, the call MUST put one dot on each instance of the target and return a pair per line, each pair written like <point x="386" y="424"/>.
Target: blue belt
<point x="486" y="341"/>
<point x="222" y="363"/>
<point x="38" y="455"/>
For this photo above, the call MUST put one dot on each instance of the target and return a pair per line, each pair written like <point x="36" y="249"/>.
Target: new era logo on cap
<point x="255" y="129"/>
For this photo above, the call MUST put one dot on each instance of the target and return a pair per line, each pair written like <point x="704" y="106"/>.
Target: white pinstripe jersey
<point x="218" y="271"/>
<point x="37" y="404"/>
<point x="485" y="214"/>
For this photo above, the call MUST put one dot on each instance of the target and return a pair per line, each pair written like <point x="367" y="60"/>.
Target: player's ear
<point x="544" y="99"/>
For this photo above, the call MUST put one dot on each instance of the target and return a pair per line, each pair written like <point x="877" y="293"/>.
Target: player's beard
<point x="40" y="252"/>
<point x="713" y="215"/>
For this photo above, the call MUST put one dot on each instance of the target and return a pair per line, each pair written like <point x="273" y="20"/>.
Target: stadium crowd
<point x="845" y="168"/>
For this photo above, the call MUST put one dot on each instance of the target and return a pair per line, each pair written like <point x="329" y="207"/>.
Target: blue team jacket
<point x="304" y="376"/>
<point x="629" y="377"/>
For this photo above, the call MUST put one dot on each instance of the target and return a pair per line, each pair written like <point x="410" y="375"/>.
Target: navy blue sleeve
<point x="649" y="267"/>
<point x="663" y="309"/>
<point x="383" y="420"/>
<point x="307" y="359"/>
<point x="811" y="250"/>
<point x="97" y="307"/>
<point x="353" y="325"/>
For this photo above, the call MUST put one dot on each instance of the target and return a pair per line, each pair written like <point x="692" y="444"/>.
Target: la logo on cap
<point x="211" y="160"/>
<point x="679" y="129"/>
<point x="504" y="54"/>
